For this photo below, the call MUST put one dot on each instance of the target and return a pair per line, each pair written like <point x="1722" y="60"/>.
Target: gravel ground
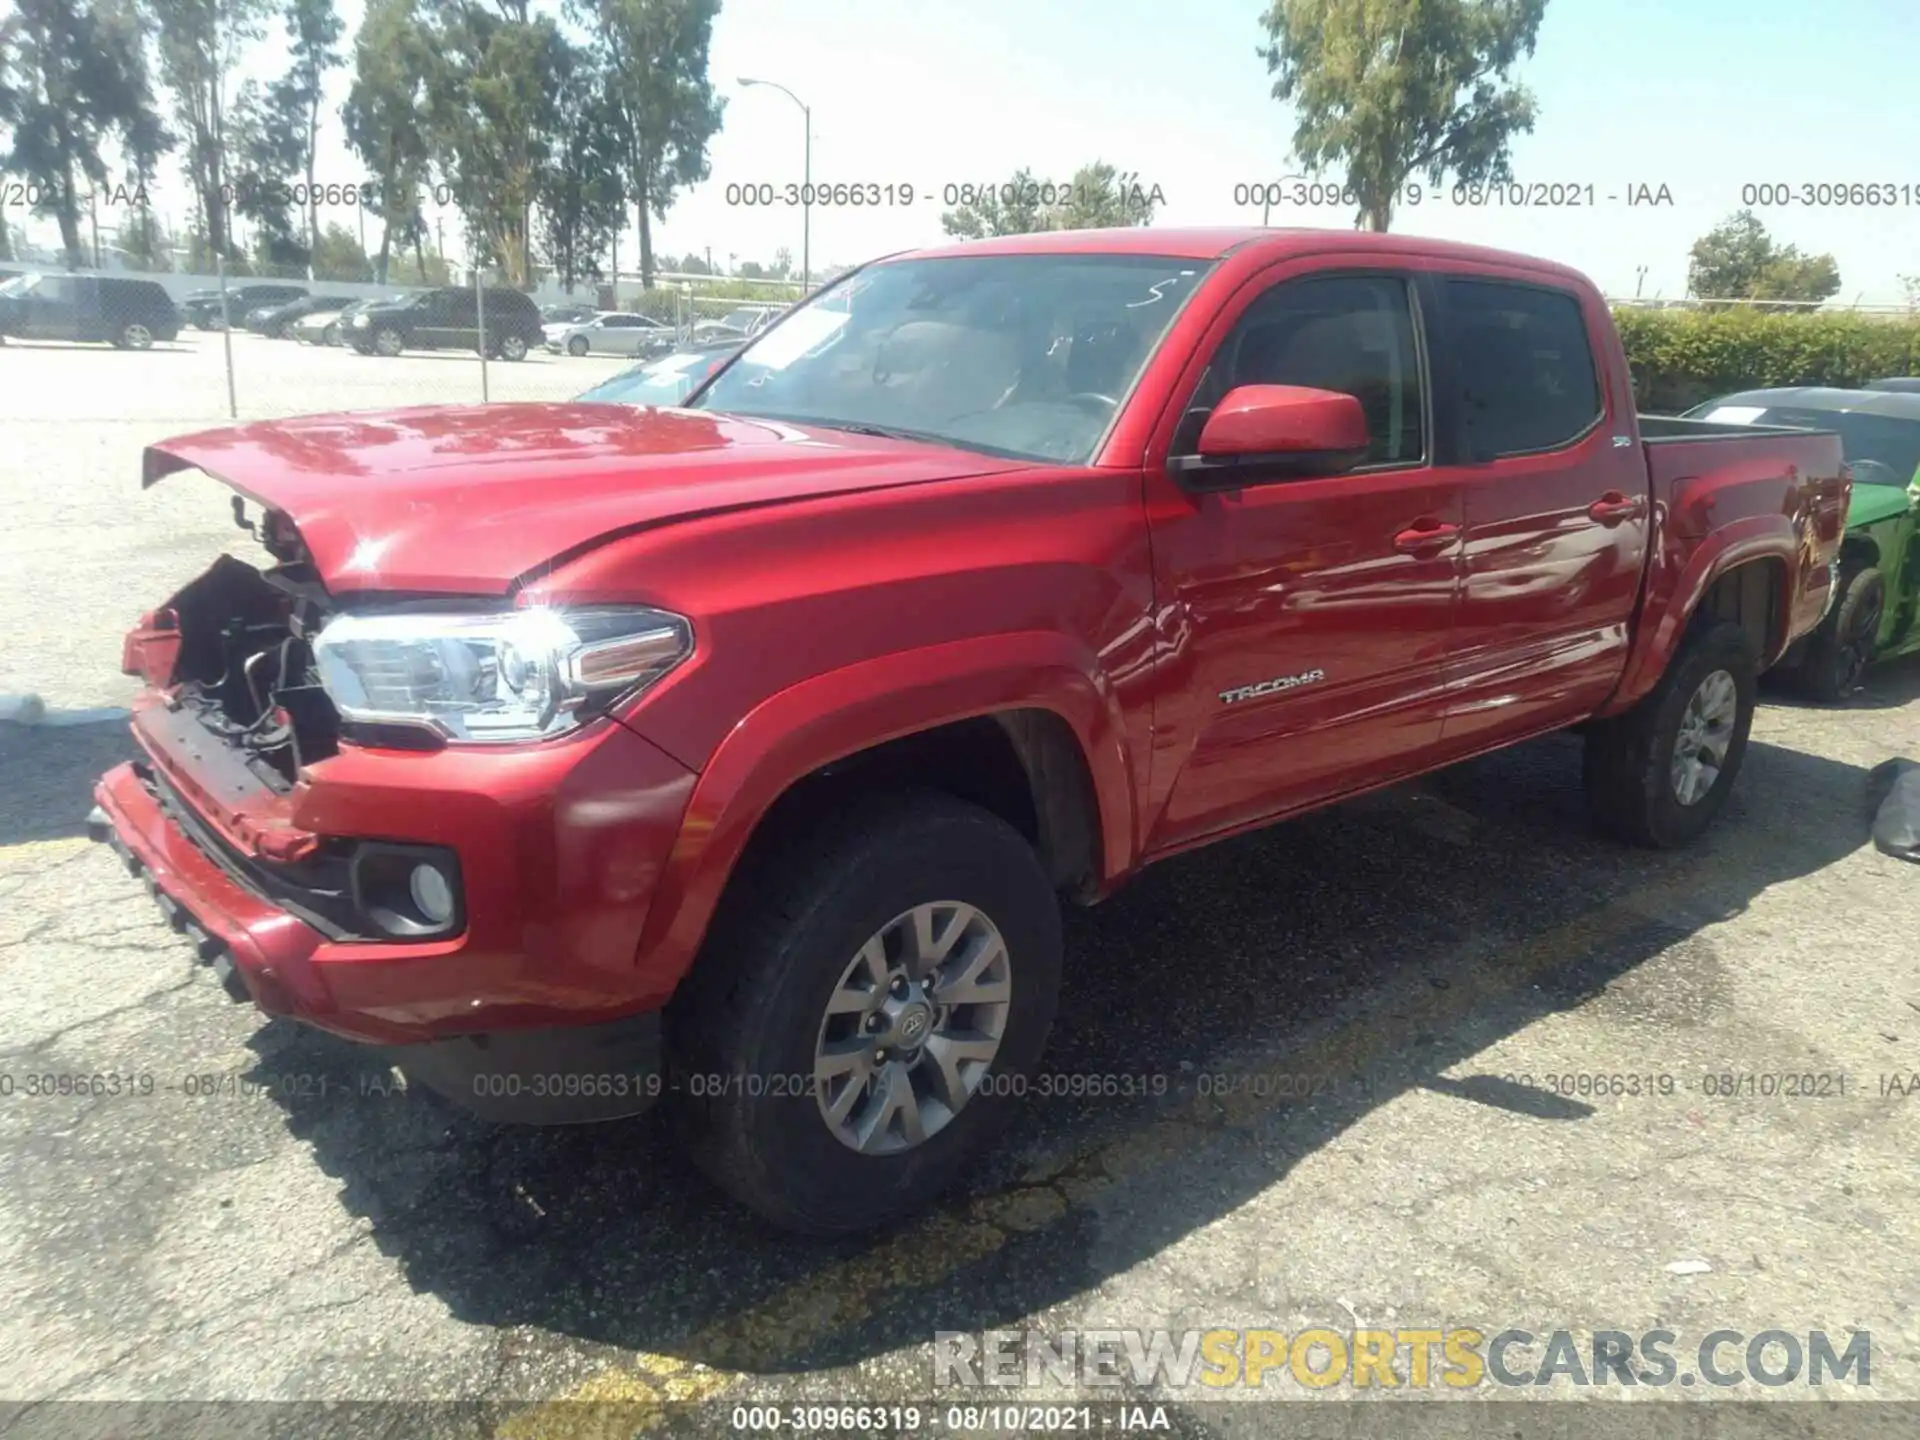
<point x="1435" y="966"/>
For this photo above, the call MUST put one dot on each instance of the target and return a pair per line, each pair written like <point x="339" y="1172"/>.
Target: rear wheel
<point x="1837" y="654"/>
<point x="874" y="989"/>
<point x="330" y="335"/>
<point x="1659" y="774"/>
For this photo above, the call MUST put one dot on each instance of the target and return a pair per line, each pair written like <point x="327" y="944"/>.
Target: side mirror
<point x="1275" y="432"/>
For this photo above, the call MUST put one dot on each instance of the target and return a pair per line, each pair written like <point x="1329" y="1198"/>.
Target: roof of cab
<point x="1216" y="243"/>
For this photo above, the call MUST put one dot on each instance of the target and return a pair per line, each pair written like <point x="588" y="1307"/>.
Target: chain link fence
<point x="185" y="350"/>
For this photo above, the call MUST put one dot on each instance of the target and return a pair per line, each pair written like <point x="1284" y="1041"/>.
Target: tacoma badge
<point x="1270" y="687"/>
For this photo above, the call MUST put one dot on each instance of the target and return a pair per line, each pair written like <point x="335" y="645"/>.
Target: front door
<point x="52" y="309"/>
<point x="1308" y="619"/>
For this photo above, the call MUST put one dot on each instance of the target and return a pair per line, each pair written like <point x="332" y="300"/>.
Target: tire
<point x="134" y="336"/>
<point x="513" y="347"/>
<point x="1838" y="653"/>
<point x="577" y="346"/>
<point x="330" y="335"/>
<point x="797" y="919"/>
<point x="387" y="341"/>
<point x="1632" y="780"/>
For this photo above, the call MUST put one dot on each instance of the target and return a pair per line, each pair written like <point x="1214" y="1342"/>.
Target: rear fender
<point x="1673" y="597"/>
<point x="831" y="716"/>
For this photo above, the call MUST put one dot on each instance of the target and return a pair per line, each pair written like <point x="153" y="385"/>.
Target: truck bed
<point x="1667" y="429"/>
<point x="1714" y="478"/>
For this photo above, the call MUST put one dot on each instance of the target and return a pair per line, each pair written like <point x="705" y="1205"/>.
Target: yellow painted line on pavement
<point x="33" y="851"/>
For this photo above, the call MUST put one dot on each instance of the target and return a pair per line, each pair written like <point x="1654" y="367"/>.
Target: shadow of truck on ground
<point x="1368" y="948"/>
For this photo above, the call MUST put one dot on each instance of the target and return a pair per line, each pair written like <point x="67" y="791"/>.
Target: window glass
<point x="1021" y="355"/>
<point x="1353" y="334"/>
<point x="1526" y="367"/>
<point x="658" y="382"/>
<point x="1883" y="449"/>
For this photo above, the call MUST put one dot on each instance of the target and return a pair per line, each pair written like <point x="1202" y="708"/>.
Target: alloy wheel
<point x="912" y="1028"/>
<point x="1706" y="734"/>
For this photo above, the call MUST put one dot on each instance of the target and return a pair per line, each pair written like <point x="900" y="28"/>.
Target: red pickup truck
<point x="739" y="754"/>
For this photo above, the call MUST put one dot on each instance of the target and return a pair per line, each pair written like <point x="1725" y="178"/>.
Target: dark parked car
<point x="448" y="319"/>
<point x="130" y="314"/>
<point x="203" y="306"/>
<point x="272" y="320"/>
<point x="1909" y="384"/>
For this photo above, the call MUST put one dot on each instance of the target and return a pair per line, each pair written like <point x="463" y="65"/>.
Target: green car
<point x="1873" y="613"/>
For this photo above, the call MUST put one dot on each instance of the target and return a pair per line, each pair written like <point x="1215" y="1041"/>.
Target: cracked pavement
<point x="254" y="1211"/>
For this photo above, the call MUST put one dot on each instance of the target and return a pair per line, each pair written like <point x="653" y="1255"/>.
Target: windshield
<point x="1882" y="449"/>
<point x="1021" y="355"/>
<point x="666" y="381"/>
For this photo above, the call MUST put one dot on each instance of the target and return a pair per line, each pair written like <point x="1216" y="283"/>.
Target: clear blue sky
<point x="1702" y="96"/>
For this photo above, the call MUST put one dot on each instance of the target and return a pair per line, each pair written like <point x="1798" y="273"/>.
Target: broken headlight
<point x="513" y="675"/>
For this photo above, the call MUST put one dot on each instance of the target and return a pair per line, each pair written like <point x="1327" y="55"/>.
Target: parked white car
<point x="611" y="332"/>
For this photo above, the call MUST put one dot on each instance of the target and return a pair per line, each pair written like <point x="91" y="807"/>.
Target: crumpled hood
<point x="467" y="499"/>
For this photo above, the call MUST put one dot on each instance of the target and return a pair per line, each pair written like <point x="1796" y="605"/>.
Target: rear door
<point x="1312" y="617"/>
<point x="443" y="318"/>
<point x="1557" y="506"/>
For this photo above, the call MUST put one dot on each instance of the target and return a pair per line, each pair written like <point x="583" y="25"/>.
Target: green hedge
<point x="1681" y="357"/>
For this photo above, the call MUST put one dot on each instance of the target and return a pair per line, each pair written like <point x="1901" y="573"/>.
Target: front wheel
<point x="330" y="335"/>
<point x="577" y="346"/>
<point x="1837" y="654"/>
<point x="388" y="342"/>
<point x="871" y="1002"/>
<point x="134" y="337"/>
<point x="1658" y="774"/>
<point x="512" y="347"/>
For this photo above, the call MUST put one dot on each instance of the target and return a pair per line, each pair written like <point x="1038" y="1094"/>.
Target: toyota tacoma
<point x="739" y="754"/>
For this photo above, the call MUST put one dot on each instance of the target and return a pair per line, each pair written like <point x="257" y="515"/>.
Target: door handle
<point x="1426" y="535"/>
<point x="1613" y="507"/>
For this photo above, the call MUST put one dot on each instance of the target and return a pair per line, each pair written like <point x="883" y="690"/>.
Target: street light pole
<point x="806" y="180"/>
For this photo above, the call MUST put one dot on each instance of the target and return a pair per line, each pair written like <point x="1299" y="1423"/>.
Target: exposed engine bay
<point x="243" y="665"/>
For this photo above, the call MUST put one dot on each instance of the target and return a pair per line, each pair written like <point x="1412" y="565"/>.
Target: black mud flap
<point x="1893" y="797"/>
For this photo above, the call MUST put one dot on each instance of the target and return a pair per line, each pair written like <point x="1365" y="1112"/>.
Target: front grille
<point x="315" y="890"/>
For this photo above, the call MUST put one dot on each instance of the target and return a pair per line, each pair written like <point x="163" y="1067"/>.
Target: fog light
<point x="431" y="893"/>
<point x="406" y="892"/>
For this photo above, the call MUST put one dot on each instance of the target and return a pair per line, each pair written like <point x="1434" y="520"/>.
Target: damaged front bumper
<point x="530" y="1004"/>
